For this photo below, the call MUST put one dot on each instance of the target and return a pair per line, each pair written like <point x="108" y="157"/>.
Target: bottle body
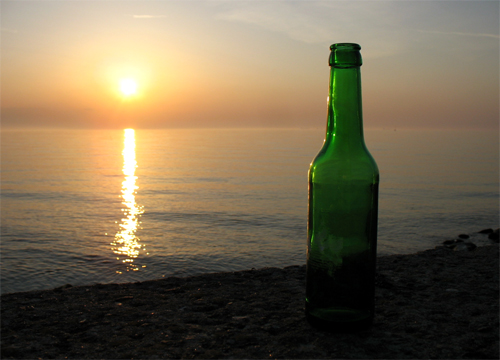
<point x="343" y="212"/>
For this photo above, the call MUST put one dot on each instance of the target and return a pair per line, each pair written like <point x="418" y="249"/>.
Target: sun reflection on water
<point x="126" y="243"/>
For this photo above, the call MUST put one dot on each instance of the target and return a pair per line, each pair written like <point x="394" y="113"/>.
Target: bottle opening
<point x="345" y="55"/>
<point x="345" y="46"/>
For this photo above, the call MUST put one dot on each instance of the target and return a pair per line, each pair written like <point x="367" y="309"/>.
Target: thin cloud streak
<point x="278" y="17"/>
<point x="312" y="22"/>
<point x="321" y="23"/>
<point x="148" y="16"/>
<point x="460" y="33"/>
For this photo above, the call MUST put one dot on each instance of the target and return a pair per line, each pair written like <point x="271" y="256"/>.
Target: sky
<point x="199" y="64"/>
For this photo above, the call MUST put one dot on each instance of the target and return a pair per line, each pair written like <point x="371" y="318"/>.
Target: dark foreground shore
<point x="439" y="304"/>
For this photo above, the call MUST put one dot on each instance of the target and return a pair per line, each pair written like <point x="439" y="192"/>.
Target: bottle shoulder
<point x="356" y="162"/>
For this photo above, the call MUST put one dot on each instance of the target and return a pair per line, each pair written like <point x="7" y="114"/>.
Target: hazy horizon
<point x="245" y="64"/>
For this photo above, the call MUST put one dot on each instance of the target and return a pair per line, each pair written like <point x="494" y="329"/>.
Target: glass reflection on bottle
<point x="126" y="243"/>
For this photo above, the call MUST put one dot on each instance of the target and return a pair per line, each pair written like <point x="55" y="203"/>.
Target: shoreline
<point x="474" y="239"/>
<point x="438" y="303"/>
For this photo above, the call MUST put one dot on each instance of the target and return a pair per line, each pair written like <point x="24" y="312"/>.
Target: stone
<point x="464" y="246"/>
<point x="461" y="247"/>
<point x="485" y="231"/>
<point x="470" y="245"/>
<point x="494" y="235"/>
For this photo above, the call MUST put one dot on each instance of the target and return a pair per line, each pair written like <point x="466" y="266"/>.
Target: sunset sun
<point x="128" y="87"/>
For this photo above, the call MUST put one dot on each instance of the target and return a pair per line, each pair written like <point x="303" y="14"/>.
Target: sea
<point x="113" y="206"/>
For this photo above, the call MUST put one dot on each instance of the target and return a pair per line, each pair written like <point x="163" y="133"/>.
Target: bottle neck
<point x="345" y="116"/>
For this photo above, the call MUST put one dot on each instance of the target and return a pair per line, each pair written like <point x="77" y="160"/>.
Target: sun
<point x="128" y="87"/>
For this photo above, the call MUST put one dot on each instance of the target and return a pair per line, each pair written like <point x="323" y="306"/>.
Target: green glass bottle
<point x="343" y="208"/>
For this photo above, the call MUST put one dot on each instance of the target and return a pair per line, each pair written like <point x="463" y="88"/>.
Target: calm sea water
<point x="100" y="206"/>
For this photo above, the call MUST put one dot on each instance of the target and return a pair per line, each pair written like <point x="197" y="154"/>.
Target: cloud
<point x="323" y="23"/>
<point x="278" y="17"/>
<point x="148" y="16"/>
<point x="460" y="33"/>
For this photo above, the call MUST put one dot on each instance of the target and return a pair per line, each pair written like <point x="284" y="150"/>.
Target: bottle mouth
<point x="345" y="46"/>
<point x="345" y="55"/>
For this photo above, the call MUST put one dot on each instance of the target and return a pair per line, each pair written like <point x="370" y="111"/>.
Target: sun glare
<point x="128" y="87"/>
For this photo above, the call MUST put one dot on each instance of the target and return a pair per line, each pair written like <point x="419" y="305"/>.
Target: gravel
<point x="436" y="304"/>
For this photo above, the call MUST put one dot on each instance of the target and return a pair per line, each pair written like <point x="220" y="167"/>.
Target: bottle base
<point x="341" y="321"/>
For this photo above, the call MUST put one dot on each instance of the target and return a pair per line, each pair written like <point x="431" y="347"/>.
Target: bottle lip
<point x="345" y="56"/>
<point x="345" y="46"/>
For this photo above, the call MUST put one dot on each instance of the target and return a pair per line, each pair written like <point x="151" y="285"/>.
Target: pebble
<point x="485" y="231"/>
<point x="494" y="235"/>
<point x="464" y="246"/>
<point x="459" y="245"/>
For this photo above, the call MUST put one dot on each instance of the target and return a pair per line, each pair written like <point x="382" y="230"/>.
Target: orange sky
<point x="245" y="64"/>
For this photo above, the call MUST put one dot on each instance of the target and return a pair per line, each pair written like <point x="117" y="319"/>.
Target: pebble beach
<point x="436" y="304"/>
